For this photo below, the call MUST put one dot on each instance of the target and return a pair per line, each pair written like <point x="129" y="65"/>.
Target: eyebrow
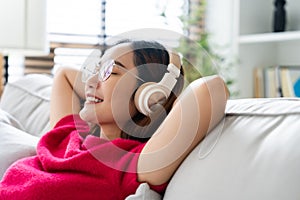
<point x="120" y="64"/>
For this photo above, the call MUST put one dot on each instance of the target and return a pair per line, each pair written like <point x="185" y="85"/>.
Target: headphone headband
<point x="175" y="59"/>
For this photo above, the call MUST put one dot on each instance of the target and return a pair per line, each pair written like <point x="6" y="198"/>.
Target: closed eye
<point x="116" y="71"/>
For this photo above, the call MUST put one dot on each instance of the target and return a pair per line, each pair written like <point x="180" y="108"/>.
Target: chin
<point x="90" y="117"/>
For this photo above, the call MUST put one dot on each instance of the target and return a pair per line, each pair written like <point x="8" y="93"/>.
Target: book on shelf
<point x="277" y="81"/>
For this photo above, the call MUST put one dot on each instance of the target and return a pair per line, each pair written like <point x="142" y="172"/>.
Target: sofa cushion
<point x="28" y="101"/>
<point x="254" y="153"/>
<point x="14" y="143"/>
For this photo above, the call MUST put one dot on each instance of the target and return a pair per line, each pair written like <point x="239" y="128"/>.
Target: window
<point x="74" y="21"/>
<point x="83" y="20"/>
<point x="76" y="26"/>
<point x="122" y="16"/>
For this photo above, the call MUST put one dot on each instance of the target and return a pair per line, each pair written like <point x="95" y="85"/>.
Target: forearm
<point x="197" y="111"/>
<point x="67" y="92"/>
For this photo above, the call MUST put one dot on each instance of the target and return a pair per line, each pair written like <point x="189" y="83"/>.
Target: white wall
<point x="219" y="22"/>
<point x="223" y="31"/>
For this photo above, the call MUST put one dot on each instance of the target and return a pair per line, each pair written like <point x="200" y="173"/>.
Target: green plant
<point x="198" y="57"/>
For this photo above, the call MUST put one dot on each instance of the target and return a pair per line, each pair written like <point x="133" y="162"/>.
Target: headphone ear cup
<point x="148" y="95"/>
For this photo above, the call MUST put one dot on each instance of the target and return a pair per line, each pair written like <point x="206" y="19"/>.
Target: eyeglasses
<point x="92" y="66"/>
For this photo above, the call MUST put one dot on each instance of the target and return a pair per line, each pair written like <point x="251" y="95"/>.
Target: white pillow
<point x="14" y="144"/>
<point x="7" y="118"/>
<point x="144" y="192"/>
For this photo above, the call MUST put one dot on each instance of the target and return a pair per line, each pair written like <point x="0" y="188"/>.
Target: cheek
<point x="122" y="100"/>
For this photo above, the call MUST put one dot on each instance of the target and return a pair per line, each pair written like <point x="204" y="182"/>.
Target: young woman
<point x="128" y="130"/>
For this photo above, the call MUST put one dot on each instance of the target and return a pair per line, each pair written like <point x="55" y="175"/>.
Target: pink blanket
<point x="68" y="167"/>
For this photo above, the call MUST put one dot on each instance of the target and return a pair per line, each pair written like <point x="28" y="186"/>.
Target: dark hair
<point x="151" y="55"/>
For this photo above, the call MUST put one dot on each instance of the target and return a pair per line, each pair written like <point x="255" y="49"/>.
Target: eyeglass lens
<point x="89" y="67"/>
<point x="106" y="70"/>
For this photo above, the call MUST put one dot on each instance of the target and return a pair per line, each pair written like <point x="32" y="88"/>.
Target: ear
<point x="148" y="95"/>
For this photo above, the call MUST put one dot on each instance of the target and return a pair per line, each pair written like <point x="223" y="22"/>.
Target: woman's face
<point x="110" y="103"/>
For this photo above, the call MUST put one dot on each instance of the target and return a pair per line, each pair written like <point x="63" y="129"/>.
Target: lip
<point x="93" y="99"/>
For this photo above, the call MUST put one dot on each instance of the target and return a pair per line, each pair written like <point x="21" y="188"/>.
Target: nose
<point x="93" y="81"/>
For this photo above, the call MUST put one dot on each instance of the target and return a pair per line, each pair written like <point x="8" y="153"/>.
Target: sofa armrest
<point x="28" y="101"/>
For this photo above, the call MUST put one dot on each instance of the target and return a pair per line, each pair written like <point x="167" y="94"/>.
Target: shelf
<point x="269" y="37"/>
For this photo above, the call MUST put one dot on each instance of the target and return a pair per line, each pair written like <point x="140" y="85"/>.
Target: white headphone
<point x="152" y="93"/>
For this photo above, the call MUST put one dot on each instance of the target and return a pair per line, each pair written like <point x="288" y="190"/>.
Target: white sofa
<point x="254" y="153"/>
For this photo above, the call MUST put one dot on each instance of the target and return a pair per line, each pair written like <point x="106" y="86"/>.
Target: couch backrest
<point x="253" y="154"/>
<point x="28" y="101"/>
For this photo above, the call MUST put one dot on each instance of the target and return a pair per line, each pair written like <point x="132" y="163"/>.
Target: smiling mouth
<point x="93" y="100"/>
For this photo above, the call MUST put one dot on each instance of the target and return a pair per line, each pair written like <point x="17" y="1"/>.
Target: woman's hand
<point x="67" y="93"/>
